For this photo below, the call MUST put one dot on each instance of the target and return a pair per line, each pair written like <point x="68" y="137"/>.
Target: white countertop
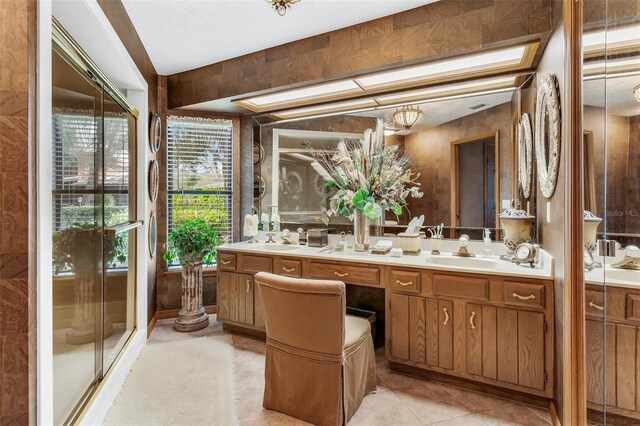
<point x="486" y="265"/>
<point x="614" y="277"/>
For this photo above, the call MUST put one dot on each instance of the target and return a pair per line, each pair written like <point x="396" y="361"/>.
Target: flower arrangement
<point x="368" y="176"/>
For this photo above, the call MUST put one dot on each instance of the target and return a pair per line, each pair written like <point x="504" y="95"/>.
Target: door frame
<point x="455" y="193"/>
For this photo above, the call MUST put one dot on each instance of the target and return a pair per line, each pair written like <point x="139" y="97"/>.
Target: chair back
<point x="303" y="314"/>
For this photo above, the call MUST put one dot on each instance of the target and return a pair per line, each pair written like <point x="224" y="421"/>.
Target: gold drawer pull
<point x="473" y="315"/>
<point x="404" y="284"/>
<point x="248" y="285"/>
<point x="594" y="306"/>
<point x="225" y="262"/>
<point x="346" y="274"/>
<point x="529" y="297"/>
<point x="446" y="316"/>
<point x="284" y="268"/>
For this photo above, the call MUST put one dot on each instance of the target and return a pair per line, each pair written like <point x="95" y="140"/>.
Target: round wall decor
<point x="154" y="180"/>
<point x="547" y="133"/>
<point x="259" y="187"/>
<point x="258" y="153"/>
<point x="153" y="235"/>
<point x="154" y="133"/>
<point x="525" y="155"/>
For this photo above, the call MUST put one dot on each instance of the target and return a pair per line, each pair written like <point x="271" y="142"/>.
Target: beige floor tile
<point x="540" y="411"/>
<point x="513" y="414"/>
<point x="395" y="380"/>
<point x="383" y="409"/>
<point x="273" y="418"/>
<point x="431" y="403"/>
<point x="468" y="420"/>
<point x="475" y="401"/>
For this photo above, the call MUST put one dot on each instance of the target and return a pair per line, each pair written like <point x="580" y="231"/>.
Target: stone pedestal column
<point x="192" y="316"/>
<point x="83" y="327"/>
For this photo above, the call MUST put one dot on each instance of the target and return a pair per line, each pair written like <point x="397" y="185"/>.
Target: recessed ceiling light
<point x="328" y="108"/>
<point x="506" y="83"/>
<point x="611" y="40"/>
<point x="511" y="58"/>
<point x="292" y="97"/>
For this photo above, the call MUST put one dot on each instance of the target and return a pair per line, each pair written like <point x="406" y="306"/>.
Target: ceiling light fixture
<point x="636" y="92"/>
<point x="612" y="41"/>
<point x="323" y="109"/>
<point x="281" y="6"/>
<point x="408" y="116"/>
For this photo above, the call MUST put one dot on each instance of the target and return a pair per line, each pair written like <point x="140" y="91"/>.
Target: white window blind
<point x="199" y="173"/>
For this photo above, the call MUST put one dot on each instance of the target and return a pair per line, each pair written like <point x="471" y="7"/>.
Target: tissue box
<point x="317" y="237"/>
<point x="411" y="243"/>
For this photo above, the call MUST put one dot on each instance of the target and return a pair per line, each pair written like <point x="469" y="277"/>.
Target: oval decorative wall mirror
<point x="154" y="181"/>
<point x="258" y="154"/>
<point x="153" y="235"/>
<point x="547" y="133"/>
<point x="154" y="133"/>
<point x="259" y="187"/>
<point x="525" y="155"/>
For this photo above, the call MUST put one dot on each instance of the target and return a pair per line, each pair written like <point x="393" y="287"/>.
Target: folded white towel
<point x="250" y="225"/>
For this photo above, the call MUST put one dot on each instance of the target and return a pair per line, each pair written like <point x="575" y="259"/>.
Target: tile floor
<point x="399" y="400"/>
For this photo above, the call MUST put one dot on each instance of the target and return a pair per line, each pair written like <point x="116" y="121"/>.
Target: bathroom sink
<point x="467" y="262"/>
<point x="622" y="274"/>
<point x="275" y="247"/>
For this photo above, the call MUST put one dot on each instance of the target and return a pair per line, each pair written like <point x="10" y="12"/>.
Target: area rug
<point x="184" y="382"/>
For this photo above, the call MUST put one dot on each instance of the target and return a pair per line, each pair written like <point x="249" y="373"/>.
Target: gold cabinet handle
<point x="473" y="315"/>
<point x="248" y="285"/>
<point x="529" y="297"/>
<point x="225" y="262"/>
<point x="446" y="316"/>
<point x="403" y="283"/>
<point x="594" y="306"/>
<point x="346" y="274"/>
<point x="284" y="268"/>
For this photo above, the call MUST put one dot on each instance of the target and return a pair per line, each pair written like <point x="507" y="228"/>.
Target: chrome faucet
<point x="462" y="251"/>
<point x="631" y="259"/>
<point x="270" y="237"/>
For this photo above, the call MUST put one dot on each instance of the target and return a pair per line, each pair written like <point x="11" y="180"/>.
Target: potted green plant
<point x="74" y="250"/>
<point x="192" y="243"/>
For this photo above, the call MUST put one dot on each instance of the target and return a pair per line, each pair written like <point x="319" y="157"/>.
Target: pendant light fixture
<point x="408" y="116"/>
<point x="281" y="6"/>
<point x="636" y="92"/>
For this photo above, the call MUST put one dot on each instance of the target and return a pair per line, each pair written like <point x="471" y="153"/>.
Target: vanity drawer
<point x="465" y="287"/>
<point x="594" y="303"/>
<point x="633" y="307"/>
<point x="257" y="264"/>
<point x="227" y="261"/>
<point x="364" y="275"/>
<point x="289" y="268"/>
<point x="523" y="294"/>
<point x="405" y="281"/>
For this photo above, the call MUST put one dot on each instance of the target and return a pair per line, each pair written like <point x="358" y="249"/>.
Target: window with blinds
<point x="199" y="172"/>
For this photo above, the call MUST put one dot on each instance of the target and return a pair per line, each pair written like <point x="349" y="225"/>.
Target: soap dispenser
<point x="487" y="242"/>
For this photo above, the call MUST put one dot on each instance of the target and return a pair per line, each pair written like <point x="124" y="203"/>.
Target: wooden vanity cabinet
<point x="471" y="326"/>
<point x="612" y="358"/>
<point x="236" y="297"/>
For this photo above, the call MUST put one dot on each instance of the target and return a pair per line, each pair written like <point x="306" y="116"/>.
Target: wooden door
<point x="445" y="334"/>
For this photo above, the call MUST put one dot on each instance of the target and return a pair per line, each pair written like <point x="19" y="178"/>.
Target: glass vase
<point x="361" y="231"/>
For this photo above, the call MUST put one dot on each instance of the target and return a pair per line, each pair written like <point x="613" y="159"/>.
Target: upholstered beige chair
<point x="319" y="363"/>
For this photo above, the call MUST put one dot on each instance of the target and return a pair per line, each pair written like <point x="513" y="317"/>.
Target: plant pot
<point x="361" y="231"/>
<point x="192" y="316"/>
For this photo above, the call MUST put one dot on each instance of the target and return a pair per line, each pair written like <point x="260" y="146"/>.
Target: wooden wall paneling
<point x="531" y="349"/>
<point x="417" y="329"/>
<point x="626" y="369"/>
<point x="475" y="333"/>
<point x="507" y="338"/>
<point x="399" y="326"/>
<point x="366" y="47"/>
<point x="489" y="342"/>
<point x="445" y="334"/>
<point x="432" y="328"/>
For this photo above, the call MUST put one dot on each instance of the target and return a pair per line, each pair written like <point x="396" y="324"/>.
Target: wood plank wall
<point x="420" y="34"/>
<point x="17" y="206"/>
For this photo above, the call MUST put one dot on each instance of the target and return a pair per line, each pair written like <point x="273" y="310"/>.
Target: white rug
<point x="184" y="382"/>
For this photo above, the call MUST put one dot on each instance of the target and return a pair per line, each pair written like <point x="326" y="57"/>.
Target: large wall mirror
<point x="466" y="150"/>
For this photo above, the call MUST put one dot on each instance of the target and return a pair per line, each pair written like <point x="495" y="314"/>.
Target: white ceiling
<point x="187" y="34"/>
<point x="619" y="94"/>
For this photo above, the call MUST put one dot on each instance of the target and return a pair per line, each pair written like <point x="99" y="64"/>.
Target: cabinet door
<point x="595" y="369"/>
<point x="258" y="315"/>
<point x="474" y="336"/>
<point x="531" y="349"/>
<point x="507" y="341"/>
<point x="399" y="339"/>
<point x="445" y="334"/>
<point x="235" y="297"/>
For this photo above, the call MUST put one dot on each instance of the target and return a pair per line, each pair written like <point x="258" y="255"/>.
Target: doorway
<point x="94" y="227"/>
<point x="475" y="181"/>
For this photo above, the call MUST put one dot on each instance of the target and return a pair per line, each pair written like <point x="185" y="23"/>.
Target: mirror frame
<point x="525" y="155"/>
<point x="547" y="110"/>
